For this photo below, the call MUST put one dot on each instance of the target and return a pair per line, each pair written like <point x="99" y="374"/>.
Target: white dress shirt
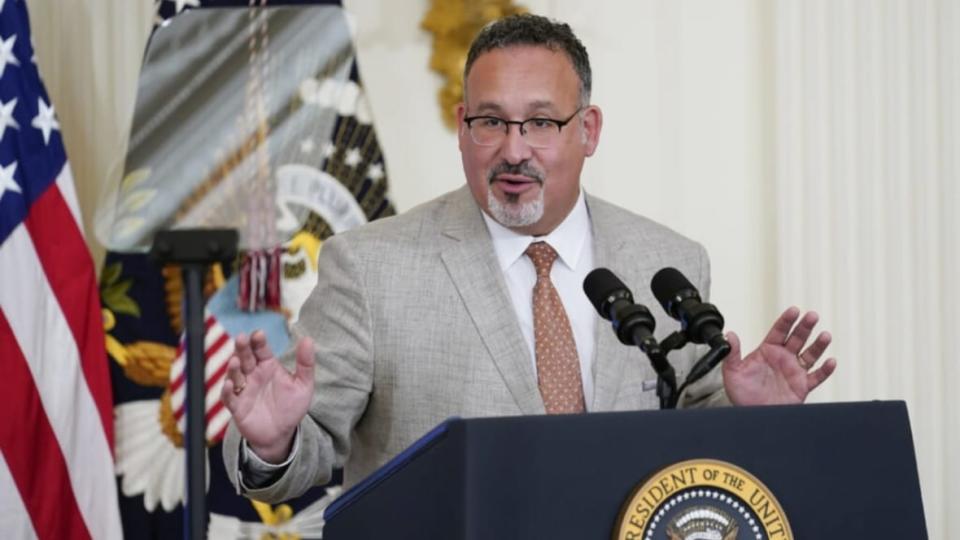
<point x="573" y="242"/>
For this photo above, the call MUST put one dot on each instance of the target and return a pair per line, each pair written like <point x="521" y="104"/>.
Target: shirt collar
<point x="568" y="239"/>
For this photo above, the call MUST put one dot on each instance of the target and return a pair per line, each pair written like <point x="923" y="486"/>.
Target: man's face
<point x="530" y="190"/>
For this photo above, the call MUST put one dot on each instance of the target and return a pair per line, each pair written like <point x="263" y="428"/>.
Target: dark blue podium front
<point x="838" y="470"/>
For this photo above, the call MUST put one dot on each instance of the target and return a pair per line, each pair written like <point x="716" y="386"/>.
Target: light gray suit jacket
<point x="413" y="325"/>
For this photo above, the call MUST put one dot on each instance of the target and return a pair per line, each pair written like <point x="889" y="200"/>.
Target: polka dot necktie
<point x="558" y="366"/>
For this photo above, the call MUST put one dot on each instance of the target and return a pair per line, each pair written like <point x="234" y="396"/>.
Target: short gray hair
<point x="528" y="29"/>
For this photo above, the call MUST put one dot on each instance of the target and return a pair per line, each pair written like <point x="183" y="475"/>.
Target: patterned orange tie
<point x="558" y="365"/>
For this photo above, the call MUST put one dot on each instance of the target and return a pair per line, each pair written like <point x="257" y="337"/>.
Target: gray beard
<point x="513" y="214"/>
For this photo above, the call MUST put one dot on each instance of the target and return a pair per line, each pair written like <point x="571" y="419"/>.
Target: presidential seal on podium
<point x="703" y="499"/>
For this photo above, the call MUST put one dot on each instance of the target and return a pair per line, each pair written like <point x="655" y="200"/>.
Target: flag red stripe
<point x="69" y="269"/>
<point x="217" y="345"/>
<point x="175" y="385"/>
<point x="214" y="410"/>
<point x="212" y="380"/>
<point x="216" y="376"/>
<point x="32" y="452"/>
<point x="207" y="324"/>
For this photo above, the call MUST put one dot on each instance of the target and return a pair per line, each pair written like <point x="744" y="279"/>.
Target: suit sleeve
<point x="337" y="316"/>
<point x="708" y="391"/>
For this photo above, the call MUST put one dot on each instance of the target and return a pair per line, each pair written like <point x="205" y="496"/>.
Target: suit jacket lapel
<point x="609" y="247"/>
<point x="471" y="263"/>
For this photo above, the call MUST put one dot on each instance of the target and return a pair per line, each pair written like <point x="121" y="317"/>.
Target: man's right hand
<point x="267" y="401"/>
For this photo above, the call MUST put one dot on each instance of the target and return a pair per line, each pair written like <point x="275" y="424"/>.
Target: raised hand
<point x="777" y="372"/>
<point x="267" y="401"/>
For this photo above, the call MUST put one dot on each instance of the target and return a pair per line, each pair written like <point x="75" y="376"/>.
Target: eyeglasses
<point x="537" y="132"/>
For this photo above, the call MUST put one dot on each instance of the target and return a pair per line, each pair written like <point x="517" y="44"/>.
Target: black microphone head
<point x="602" y="286"/>
<point x="670" y="287"/>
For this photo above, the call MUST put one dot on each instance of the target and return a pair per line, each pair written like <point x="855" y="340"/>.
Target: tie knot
<point x="542" y="255"/>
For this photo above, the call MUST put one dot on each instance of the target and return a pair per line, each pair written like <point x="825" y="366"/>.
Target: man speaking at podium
<point x="471" y="304"/>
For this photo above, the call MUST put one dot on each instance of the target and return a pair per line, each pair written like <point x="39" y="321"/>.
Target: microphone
<point x="700" y="321"/>
<point x="632" y="322"/>
<point x="633" y="325"/>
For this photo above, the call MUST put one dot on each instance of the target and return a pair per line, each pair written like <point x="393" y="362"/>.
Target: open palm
<point x="777" y="372"/>
<point x="267" y="401"/>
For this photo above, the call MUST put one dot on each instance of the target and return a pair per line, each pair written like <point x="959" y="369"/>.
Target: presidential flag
<point x="251" y="115"/>
<point x="56" y="435"/>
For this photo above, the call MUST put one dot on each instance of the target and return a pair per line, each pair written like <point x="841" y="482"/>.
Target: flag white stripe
<point x="176" y="368"/>
<point x="212" y="398"/>
<point x="176" y="401"/>
<point x="217" y="422"/>
<point x="14" y="519"/>
<point x="214" y="363"/>
<point x="69" y="194"/>
<point x="47" y="343"/>
<point x="217" y="361"/>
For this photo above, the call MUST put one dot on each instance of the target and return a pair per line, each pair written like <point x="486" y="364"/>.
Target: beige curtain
<point x="89" y="54"/>
<point x="868" y="186"/>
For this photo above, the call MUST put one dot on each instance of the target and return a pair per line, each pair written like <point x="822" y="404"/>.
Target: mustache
<point x="523" y="168"/>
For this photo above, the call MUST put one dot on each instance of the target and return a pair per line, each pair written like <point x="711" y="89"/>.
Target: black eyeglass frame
<point x="519" y="123"/>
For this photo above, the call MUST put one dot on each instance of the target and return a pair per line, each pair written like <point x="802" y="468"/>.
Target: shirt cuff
<point x="255" y="473"/>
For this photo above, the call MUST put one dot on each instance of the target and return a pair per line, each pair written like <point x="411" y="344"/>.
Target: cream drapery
<point x="863" y="97"/>
<point x="868" y="185"/>
<point x="89" y="54"/>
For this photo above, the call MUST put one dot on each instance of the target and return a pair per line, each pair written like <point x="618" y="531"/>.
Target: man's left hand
<point x="777" y="372"/>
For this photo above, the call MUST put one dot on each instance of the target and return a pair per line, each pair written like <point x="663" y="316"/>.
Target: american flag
<point x="56" y="433"/>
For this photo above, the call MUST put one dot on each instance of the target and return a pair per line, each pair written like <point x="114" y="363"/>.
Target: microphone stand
<point x="634" y="324"/>
<point x="667" y="389"/>
<point x="666" y="376"/>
